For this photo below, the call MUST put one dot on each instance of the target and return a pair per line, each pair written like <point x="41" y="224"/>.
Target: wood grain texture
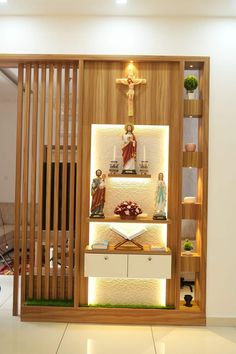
<point x="56" y="159"/>
<point x="190" y="263"/>
<point x="193" y="108"/>
<point x="113" y="316"/>
<point x="175" y="183"/>
<point x="72" y="182"/>
<point x="18" y="187"/>
<point x="40" y="178"/>
<point x="33" y="180"/>
<point x="25" y="181"/>
<point x="48" y="179"/>
<point x="12" y="60"/>
<point x="106" y="102"/>
<point x="202" y="188"/>
<point x="64" y="181"/>
<point x="192" y="159"/>
<point x="191" y="211"/>
<point x="78" y="248"/>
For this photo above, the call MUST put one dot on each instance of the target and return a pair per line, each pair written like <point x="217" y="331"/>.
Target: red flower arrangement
<point x="128" y="210"/>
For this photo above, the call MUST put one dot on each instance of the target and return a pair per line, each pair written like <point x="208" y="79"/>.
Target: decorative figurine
<point x="129" y="150"/>
<point x="98" y="191"/>
<point x="188" y="298"/>
<point x="160" y="201"/>
<point x="131" y="81"/>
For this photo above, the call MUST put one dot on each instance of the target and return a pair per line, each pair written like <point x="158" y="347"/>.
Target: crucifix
<point x="130" y="81"/>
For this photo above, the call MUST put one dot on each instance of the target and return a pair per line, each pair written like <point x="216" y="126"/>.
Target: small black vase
<point x="188" y="298"/>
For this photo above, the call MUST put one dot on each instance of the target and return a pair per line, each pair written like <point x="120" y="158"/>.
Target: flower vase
<point x="128" y="217"/>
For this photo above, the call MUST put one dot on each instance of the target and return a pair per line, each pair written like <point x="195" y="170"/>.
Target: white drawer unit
<point x="149" y="266"/>
<point x="105" y="265"/>
<point x="127" y="266"/>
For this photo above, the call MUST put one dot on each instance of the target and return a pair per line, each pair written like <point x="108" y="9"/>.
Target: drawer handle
<point x="106" y="258"/>
<point x="149" y="258"/>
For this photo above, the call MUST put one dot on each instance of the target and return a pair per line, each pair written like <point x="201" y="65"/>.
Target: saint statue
<point x="98" y="190"/>
<point x="129" y="150"/>
<point x="160" y="199"/>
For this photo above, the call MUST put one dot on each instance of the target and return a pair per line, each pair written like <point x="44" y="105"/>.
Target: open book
<point x="128" y="235"/>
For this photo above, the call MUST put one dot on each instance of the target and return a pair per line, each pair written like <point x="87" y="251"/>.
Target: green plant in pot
<point x="190" y="84"/>
<point x="188" y="245"/>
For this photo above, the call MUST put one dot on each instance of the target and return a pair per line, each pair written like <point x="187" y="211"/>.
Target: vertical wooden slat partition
<point x="56" y="182"/>
<point x="18" y="188"/>
<point x="46" y="194"/>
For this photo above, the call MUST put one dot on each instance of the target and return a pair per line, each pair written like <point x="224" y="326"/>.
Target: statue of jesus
<point x="129" y="150"/>
<point x="130" y="81"/>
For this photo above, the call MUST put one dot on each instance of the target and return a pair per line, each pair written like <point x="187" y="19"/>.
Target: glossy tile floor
<point x="46" y="338"/>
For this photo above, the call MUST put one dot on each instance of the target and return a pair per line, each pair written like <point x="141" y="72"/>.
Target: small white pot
<point x="191" y="95"/>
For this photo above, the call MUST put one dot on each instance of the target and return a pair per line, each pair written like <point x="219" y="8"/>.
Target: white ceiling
<point x="109" y="7"/>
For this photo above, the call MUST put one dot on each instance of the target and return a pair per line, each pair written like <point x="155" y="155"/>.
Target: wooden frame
<point x="171" y="111"/>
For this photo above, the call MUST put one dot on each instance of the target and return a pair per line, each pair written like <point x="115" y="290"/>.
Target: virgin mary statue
<point x="129" y="150"/>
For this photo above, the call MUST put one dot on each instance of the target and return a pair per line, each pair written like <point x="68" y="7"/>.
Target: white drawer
<point x="105" y="265"/>
<point x="149" y="266"/>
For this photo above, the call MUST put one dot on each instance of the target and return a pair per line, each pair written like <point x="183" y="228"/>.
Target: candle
<point x="144" y="153"/>
<point x="114" y="153"/>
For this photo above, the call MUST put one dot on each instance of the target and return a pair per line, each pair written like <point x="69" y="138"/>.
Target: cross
<point x="130" y="81"/>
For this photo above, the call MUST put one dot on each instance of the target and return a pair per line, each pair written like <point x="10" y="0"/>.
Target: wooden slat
<point x="64" y="181"/>
<point x="33" y="181"/>
<point x="48" y="179"/>
<point x="175" y="185"/>
<point x="25" y="181"/>
<point x="40" y="186"/>
<point x="72" y="183"/>
<point x="18" y="188"/>
<point x="201" y="234"/>
<point x="78" y="186"/>
<point x="56" y="183"/>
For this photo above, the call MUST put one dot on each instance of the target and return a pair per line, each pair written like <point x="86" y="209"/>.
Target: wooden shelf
<point x="120" y="175"/>
<point x="191" y="211"/>
<point x="140" y="219"/>
<point x="193" y="108"/>
<point x="192" y="159"/>
<point x="190" y="262"/>
<point x="194" y="308"/>
<point x="128" y="250"/>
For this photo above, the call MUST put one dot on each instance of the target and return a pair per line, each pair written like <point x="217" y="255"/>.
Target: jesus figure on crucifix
<point x="130" y="81"/>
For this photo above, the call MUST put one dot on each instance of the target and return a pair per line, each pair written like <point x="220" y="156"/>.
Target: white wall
<point x="163" y="36"/>
<point x="7" y="150"/>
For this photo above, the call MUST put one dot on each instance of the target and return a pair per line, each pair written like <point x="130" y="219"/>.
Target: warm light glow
<point x="163" y="292"/>
<point x="191" y="66"/>
<point x="91" y="291"/>
<point x="121" y="2"/>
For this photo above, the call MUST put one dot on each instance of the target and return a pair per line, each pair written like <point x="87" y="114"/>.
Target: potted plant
<point x="188" y="246"/>
<point x="190" y="84"/>
<point x="128" y="210"/>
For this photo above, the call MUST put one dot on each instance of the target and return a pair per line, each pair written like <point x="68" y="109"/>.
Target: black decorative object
<point x="188" y="298"/>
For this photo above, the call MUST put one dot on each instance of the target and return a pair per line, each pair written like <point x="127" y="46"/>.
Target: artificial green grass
<point x="168" y="307"/>
<point x="44" y="302"/>
<point x="70" y="303"/>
